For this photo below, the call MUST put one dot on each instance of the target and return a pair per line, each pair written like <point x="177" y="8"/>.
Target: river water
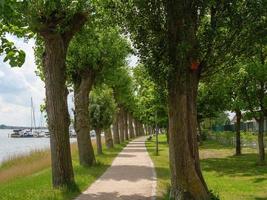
<point x="10" y="147"/>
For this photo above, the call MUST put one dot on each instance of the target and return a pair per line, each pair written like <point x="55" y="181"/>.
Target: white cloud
<point x="1" y="74"/>
<point x="17" y="86"/>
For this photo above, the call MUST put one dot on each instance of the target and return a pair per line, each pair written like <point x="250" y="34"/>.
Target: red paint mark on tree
<point x="195" y="65"/>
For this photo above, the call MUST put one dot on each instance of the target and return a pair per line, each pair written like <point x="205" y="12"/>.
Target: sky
<point x="18" y="85"/>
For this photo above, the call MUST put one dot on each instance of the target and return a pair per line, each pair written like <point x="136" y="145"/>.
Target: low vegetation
<point x="230" y="177"/>
<point x="230" y="135"/>
<point x="30" y="176"/>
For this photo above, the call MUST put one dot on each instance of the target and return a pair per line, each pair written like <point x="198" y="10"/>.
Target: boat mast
<point x="33" y="115"/>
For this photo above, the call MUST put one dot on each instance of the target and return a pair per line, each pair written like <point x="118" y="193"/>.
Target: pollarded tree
<point x="55" y="23"/>
<point x="101" y="109"/>
<point x="254" y="59"/>
<point x="254" y="92"/>
<point x="95" y="51"/>
<point x="178" y="41"/>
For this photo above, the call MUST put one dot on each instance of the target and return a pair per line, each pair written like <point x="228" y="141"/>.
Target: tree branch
<point x="75" y="25"/>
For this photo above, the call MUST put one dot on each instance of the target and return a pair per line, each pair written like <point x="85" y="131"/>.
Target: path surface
<point x="130" y="177"/>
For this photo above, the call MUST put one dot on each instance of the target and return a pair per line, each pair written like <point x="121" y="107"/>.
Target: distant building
<point x="249" y="125"/>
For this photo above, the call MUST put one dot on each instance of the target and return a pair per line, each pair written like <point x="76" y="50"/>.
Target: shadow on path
<point x="112" y="196"/>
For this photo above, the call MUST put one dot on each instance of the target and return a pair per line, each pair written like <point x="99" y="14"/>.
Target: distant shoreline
<point x="19" y="127"/>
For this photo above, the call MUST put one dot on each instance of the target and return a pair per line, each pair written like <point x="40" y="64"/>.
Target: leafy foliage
<point x="9" y="20"/>
<point x="97" y="49"/>
<point x="151" y="106"/>
<point x="101" y="108"/>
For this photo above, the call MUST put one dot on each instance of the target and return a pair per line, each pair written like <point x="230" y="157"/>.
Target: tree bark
<point x="150" y="130"/>
<point x="141" y="127"/>
<point x="261" y="140"/>
<point x="98" y="141"/>
<point x="238" y="139"/>
<point x="83" y="83"/>
<point x="57" y="110"/>
<point x="108" y="138"/>
<point x="147" y="130"/>
<point x="187" y="182"/>
<point x="135" y="127"/>
<point x="167" y="134"/>
<point x="121" y="124"/>
<point x="126" y="131"/>
<point x="115" y="126"/>
<point x="54" y="66"/>
<point x="131" y="129"/>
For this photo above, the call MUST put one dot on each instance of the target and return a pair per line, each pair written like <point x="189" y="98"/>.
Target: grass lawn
<point x="34" y="181"/>
<point x="231" y="177"/>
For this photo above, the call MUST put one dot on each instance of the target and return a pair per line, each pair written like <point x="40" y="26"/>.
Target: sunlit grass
<point x="232" y="177"/>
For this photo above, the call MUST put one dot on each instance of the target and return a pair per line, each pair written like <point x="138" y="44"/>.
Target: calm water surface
<point x="17" y="146"/>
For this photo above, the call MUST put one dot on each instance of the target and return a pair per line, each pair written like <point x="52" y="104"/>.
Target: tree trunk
<point x="98" y="141"/>
<point x="261" y="140"/>
<point x="108" y="138"/>
<point x="121" y="125"/>
<point x="115" y="126"/>
<point x="135" y="127"/>
<point x="82" y="87"/>
<point x="238" y="139"/>
<point x="140" y="128"/>
<point x="125" y="117"/>
<point x="150" y="130"/>
<point x="146" y="129"/>
<point x="54" y="67"/>
<point x="57" y="109"/>
<point x="131" y="129"/>
<point x="167" y="134"/>
<point x="187" y="182"/>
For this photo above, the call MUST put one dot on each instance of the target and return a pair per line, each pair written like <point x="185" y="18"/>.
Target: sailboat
<point x="28" y="133"/>
<point x="35" y="133"/>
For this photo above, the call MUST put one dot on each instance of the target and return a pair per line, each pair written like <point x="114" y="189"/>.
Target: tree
<point x="121" y="82"/>
<point x="131" y="128"/>
<point x="95" y="51"/>
<point x="150" y="99"/>
<point x="108" y="138"/>
<point x="115" y="130"/>
<point x="219" y="93"/>
<point x="254" y="63"/>
<point x="101" y="108"/>
<point x="255" y="93"/>
<point x="55" y="23"/>
<point x="180" y="41"/>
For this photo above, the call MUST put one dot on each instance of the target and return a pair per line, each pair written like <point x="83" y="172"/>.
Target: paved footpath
<point x="130" y="177"/>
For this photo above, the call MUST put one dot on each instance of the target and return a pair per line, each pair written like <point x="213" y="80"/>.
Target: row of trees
<point x="179" y="44"/>
<point x="102" y="112"/>
<point x="243" y="92"/>
<point x="78" y="46"/>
